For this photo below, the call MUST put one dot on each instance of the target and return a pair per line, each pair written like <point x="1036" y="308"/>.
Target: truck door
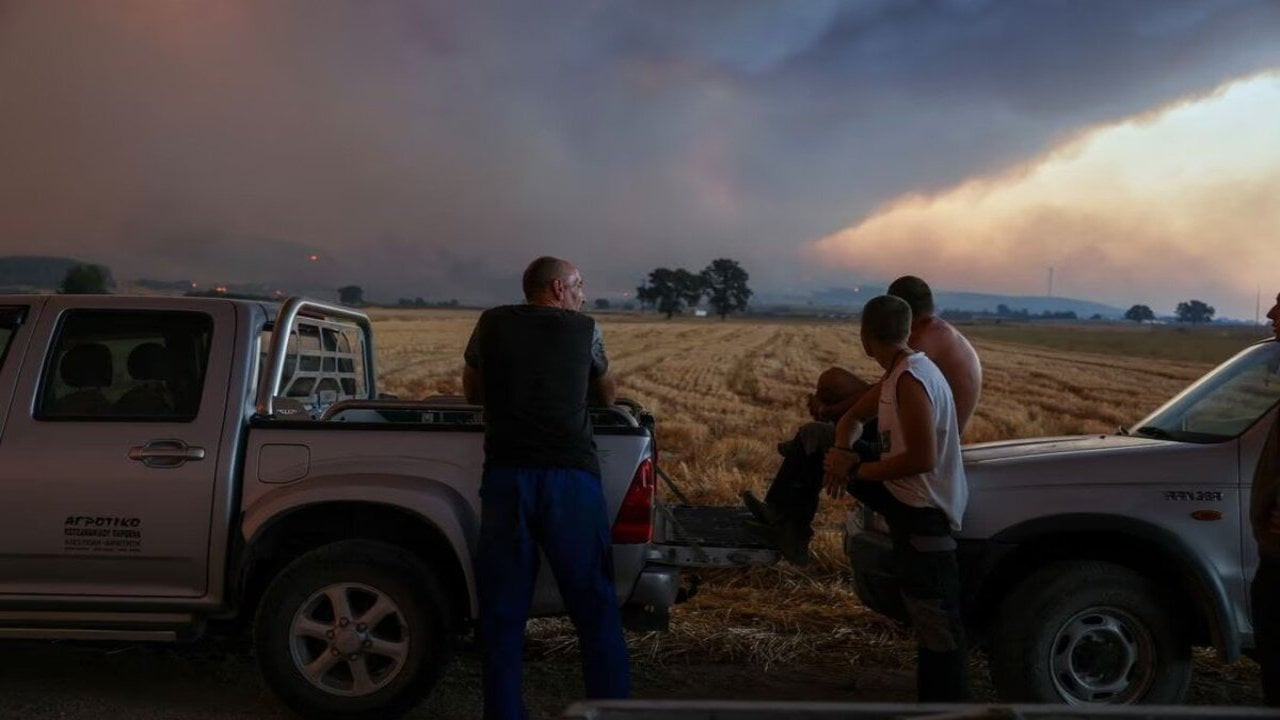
<point x="111" y="447"/>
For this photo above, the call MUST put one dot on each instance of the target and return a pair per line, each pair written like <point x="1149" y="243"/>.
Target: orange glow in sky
<point x="1183" y="202"/>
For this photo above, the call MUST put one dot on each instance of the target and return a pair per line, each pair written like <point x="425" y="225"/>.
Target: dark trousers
<point x="797" y="485"/>
<point x="1265" y="602"/>
<point x="929" y="581"/>
<point x="562" y="511"/>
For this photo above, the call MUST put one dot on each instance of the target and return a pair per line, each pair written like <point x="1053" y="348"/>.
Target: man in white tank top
<point x="918" y="484"/>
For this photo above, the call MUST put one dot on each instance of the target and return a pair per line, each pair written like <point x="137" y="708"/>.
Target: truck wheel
<point x="356" y="629"/>
<point x="1089" y="633"/>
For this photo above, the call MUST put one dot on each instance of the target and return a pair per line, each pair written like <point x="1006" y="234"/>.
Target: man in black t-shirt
<point x="535" y="367"/>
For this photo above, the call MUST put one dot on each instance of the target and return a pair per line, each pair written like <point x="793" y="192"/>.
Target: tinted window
<point x="134" y="365"/>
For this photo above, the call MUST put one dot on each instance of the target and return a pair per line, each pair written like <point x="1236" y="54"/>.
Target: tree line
<point x="723" y="283"/>
<point x="1192" y="311"/>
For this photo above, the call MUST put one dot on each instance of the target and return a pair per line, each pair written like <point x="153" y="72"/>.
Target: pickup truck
<point x="172" y="461"/>
<point x="1091" y="565"/>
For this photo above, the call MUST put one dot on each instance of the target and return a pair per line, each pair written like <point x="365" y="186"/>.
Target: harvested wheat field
<point x="725" y="393"/>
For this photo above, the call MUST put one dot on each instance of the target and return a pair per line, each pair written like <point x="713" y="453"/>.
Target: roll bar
<point x="273" y="371"/>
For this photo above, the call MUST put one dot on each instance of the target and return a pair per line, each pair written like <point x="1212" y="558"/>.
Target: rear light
<point x="635" y="518"/>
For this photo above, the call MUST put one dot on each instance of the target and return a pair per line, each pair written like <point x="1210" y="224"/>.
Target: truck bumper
<point x="657" y="585"/>
<point x="649" y="606"/>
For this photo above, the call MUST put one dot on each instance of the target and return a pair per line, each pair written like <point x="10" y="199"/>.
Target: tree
<point x="602" y="304"/>
<point x="671" y="290"/>
<point x="85" y="279"/>
<point x="1194" y="311"/>
<point x="690" y="287"/>
<point x="725" y="284"/>
<point x="352" y="295"/>
<point x="1139" y="313"/>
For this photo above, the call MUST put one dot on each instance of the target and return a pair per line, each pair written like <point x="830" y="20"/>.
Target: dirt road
<point x="218" y="680"/>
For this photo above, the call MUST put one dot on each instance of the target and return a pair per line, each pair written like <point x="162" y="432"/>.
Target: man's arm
<point x="838" y="409"/>
<point x="472" y="380"/>
<point x="861" y="409"/>
<point x="839" y="460"/>
<point x="915" y="416"/>
<point x="472" y="385"/>
<point x="603" y="390"/>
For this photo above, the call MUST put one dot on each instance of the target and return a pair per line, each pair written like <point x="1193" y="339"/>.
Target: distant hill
<point x="38" y="273"/>
<point x="851" y="299"/>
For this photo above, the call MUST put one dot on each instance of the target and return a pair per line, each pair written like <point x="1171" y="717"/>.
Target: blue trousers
<point x="561" y="510"/>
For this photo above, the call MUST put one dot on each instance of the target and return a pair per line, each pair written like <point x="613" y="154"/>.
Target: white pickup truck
<point x="167" y="461"/>
<point x="1092" y="564"/>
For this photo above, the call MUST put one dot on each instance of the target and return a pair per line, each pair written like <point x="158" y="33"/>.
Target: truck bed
<point x="710" y="536"/>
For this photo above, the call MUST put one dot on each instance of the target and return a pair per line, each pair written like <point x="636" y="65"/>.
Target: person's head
<point x="916" y="292"/>
<point x="886" y="323"/>
<point x="554" y="282"/>
<point x="1274" y="316"/>
<point x="834" y="386"/>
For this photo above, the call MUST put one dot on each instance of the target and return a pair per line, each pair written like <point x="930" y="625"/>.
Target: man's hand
<point x="815" y="406"/>
<point x="836" y="466"/>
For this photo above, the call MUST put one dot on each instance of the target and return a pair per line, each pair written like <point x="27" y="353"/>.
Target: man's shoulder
<point x="502" y="311"/>
<point x="937" y="337"/>
<point x="519" y="314"/>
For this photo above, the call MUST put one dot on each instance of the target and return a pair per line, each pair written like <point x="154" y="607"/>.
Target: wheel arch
<point x="1140" y="546"/>
<point x="289" y="534"/>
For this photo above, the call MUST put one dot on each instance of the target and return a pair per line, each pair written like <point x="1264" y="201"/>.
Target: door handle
<point x="165" y="453"/>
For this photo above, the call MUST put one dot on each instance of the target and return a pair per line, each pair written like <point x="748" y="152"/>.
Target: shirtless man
<point x="942" y="343"/>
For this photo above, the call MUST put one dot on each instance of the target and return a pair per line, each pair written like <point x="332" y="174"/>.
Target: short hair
<point x="916" y="292"/>
<point x="540" y="273"/>
<point x="836" y="384"/>
<point x="887" y="318"/>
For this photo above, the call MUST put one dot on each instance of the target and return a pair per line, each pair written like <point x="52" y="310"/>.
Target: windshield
<point x="1222" y="404"/>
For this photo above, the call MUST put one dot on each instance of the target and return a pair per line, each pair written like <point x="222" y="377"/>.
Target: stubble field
<point x="725" y="393"/>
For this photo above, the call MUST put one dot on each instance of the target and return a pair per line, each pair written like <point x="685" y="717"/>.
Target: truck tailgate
<point x="709" y="536"/>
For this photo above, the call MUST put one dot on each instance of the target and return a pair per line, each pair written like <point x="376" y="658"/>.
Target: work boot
<point x="761" y="510"/>
<point x="793" y="539"/>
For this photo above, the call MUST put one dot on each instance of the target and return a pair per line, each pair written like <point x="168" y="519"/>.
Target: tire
<point x="323" y="661"/>
<point x="1086" y="633"/>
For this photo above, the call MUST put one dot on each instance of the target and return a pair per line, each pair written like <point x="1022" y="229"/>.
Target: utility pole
<point x="1257" y="307"/>
<point x="1050" y="281"/>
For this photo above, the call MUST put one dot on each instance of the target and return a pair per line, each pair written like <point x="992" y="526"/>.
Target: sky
<point x="432" y="149"/>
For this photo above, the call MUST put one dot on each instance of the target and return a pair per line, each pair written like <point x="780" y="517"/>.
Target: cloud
<point x="1153" y="210"/>
<point x="425" y="146"/>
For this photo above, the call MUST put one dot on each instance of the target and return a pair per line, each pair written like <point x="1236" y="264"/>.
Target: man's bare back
<point x="955" y="357"/>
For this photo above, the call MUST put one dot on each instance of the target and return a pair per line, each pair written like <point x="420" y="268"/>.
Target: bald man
<point x="792" y="499"/>
<point x="535" y="367"/>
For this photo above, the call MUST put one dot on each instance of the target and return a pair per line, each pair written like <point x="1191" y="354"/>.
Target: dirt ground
<point x="217" y="679"/>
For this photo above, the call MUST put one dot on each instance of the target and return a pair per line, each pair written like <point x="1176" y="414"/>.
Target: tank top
<point x="944" y="487"/>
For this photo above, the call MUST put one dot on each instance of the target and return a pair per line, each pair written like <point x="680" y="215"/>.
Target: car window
<point x="126" y="365"/>
<point x="1224" y="403"/>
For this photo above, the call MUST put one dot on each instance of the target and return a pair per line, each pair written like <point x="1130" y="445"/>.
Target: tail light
<point x="635" y="519"/>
